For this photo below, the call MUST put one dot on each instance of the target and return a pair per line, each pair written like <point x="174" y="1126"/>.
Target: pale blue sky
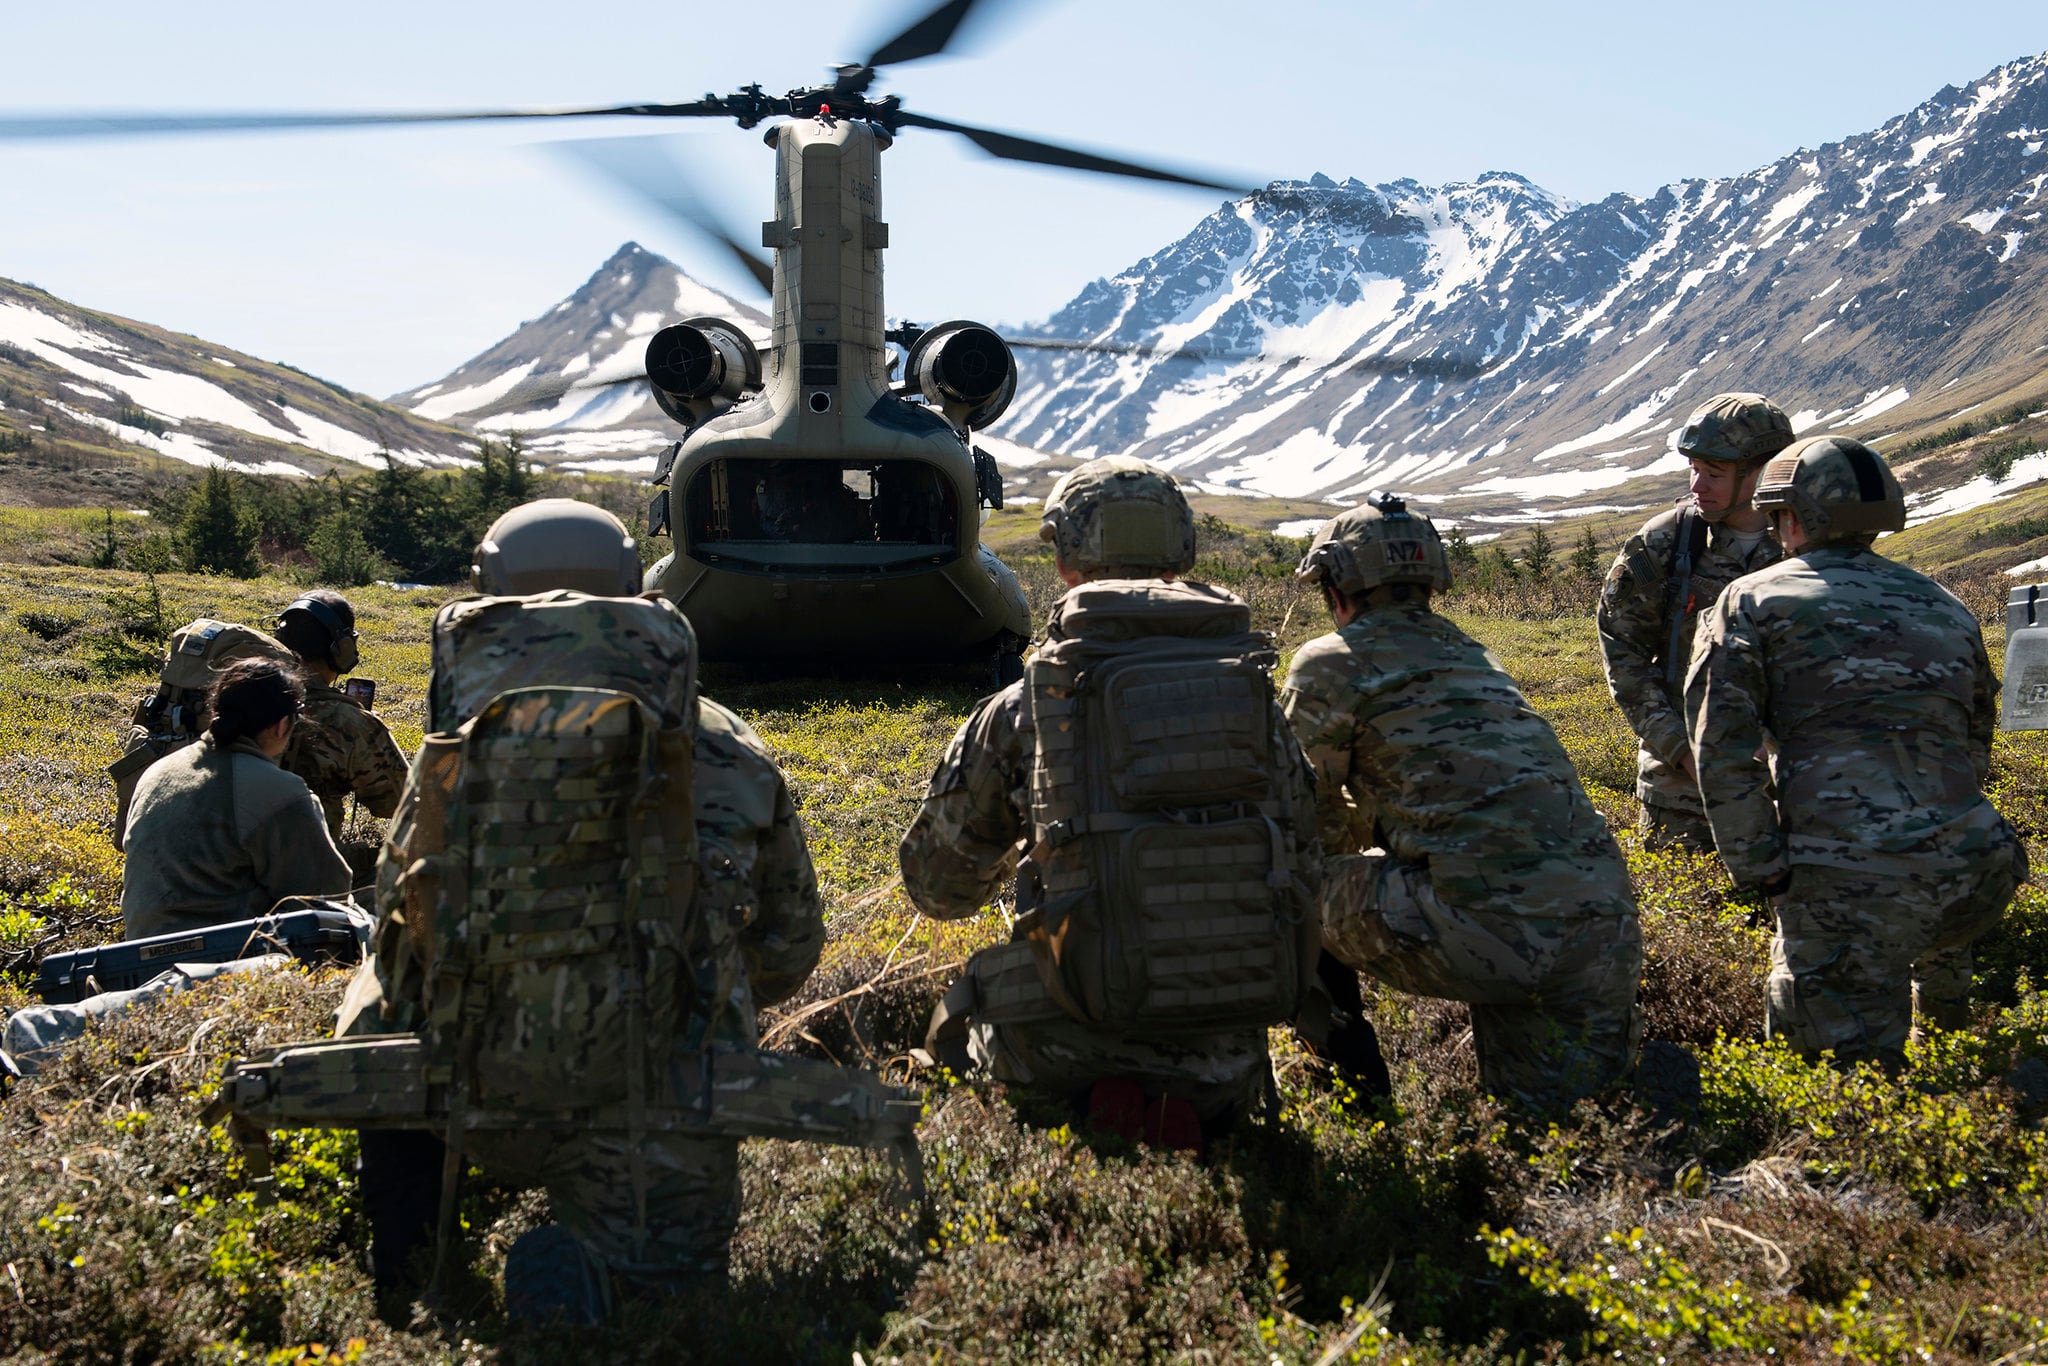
<point x="381" y="259"/>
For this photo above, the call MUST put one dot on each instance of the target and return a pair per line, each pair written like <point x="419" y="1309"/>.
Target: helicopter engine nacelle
<point x="965" y="371"/>
<point x="700" y="368"/>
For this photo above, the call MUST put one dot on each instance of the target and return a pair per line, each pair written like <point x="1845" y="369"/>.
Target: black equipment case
<point x="323" y="933"/>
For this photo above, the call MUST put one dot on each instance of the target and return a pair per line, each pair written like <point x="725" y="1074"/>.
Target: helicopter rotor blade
<point x="928" y="37"/>
<point x="1433" y="366"/>
<point x="1011" y="147"/>
<point x="42" y="127"/>
<point x="652" y="172"/>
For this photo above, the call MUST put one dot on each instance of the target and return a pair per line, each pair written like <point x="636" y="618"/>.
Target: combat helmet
<point x="1117" y="513"/>
<point x="1840" y="488"/>
<point x="1378" y="542"/>
<point x="557" y="543"/>
<point x="321" y="624"/>
<point x="1735" y="429"/>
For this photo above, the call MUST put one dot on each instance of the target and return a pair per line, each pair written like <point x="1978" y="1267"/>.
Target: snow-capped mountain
<point x="598" y="333"/>
<point x="76" y="382"/>
<point x="1848" y="282"/>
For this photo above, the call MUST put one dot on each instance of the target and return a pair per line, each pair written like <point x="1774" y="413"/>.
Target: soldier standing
<point x="1086" y="760"/>
<point x="673" y="1196"/>
<point x="1881" y="854"/>
<point x="1663" y="576"/>
<point x="1491" y="878"/>
<point x="341" y="748"/>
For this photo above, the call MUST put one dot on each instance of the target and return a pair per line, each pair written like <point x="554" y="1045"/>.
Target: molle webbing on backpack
<point x="1161" y="887"/>
<point x="566" y="898"/>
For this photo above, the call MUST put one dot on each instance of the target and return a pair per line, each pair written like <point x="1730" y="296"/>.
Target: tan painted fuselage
<point x="894" y="568"/>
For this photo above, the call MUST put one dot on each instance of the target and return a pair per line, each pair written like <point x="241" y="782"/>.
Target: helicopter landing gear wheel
<point x="1006" y="666"/>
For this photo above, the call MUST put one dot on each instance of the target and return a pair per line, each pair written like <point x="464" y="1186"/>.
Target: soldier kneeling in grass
<point x="1165" y="817"/>
<point x="1491" y="878"/>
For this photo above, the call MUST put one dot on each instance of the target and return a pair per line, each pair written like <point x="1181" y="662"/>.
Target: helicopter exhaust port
<point x="965" y="371"/>
<point x="700" y="368"/>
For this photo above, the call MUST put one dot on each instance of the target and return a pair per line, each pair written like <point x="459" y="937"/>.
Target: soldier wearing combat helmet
<point x="1016" y="781"/>
<point x="1491" y="878"/>
<point x="1664" y="576"/>
<point x="649" y="1212"/>
<point x="1880" y="851"/>
<point x="340" y="747"/>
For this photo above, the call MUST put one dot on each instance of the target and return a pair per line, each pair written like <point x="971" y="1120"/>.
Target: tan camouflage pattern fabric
<point x="760" y="900"/>
<point x="1840" y="488"/>
<point x="1874" y="685"/>
<point x="343" y="751"/>
<point x="1120" y="513"/>
<point x="1735" y="428"/>
<point x="1666" y="827"/>
<point x="1498" y="883"/>
<point x="1367" y="546"/>
<point x="1635" y="631"/>
<point x="961" y="848"/>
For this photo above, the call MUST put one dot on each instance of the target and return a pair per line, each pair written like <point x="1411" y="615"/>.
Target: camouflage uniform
<point x="957" y="855"/>
<point x="1874" y="683"/>
<point x="760" y="901"/>
<point x="1635" y="634"/>
<point x="1495" y="881"/>
<point x="342" y="749"/>
<point x="219" y="835"/>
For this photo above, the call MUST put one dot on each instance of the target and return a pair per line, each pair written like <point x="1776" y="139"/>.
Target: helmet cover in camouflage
<point x="1117" y="513"/>
<point x="1735" y="429"/>
<point x="1379" y="541"/>
<point x="1840" y="488"/>
<point x="557" y="543"/>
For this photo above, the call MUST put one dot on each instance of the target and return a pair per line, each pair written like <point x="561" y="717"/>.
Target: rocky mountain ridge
<point x="599" y="332"/>
<point x="1901" y="269"/>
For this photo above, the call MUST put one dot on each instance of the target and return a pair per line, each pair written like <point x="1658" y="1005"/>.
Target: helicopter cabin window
<point x="823" y="513"/>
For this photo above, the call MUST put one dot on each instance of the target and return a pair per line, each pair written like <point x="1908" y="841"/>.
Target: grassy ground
<point x="1802" y="1214"/>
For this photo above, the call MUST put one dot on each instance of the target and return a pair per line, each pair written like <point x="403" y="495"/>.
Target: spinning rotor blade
<point x="927" y="37"/>
<point x="39" y="127"/>
<point x="546" y="389"/>
<point x="1430" y="366"/>
<point x="1010" y="147"/>
<point x="652" y="172"/>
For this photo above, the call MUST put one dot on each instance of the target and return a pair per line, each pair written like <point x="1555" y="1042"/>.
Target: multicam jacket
<point x="1424" y="746"/>
<point x="1874" y="683"/>
<point x="1635" y="632"/>
<point x="340" y="749"/>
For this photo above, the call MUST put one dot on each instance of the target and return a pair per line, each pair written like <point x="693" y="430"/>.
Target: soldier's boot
<point x="549" y="1278"/>
<point x="1941" y="989"/>
<point x="400" y="1171"/>
<point x="1349" y="1044"/>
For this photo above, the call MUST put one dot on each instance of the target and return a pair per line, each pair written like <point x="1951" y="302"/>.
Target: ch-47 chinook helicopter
<point x="818" y="510"/>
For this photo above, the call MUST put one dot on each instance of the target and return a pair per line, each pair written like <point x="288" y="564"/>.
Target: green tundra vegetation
<point x="1800" y="1214"/>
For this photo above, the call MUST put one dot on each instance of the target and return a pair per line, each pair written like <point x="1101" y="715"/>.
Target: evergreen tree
<point x="1540" y="554"/>
<point x="1458" y="549"/>
<point x="1586" y="556"/>
<point x="341" y="554"/>
<point x="107" y="553"/>
<point x="1495" y="568"/>
<point x="216" y="536"/>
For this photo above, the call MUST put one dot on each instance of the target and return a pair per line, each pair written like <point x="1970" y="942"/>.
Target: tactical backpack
<point x="169" y="718"/>
<point x="538" y="886"/>
<point x="1162" y="890"/>
<point x="544" y="866"/>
